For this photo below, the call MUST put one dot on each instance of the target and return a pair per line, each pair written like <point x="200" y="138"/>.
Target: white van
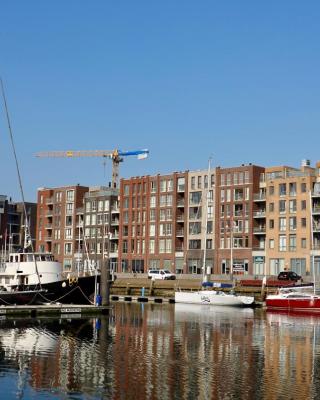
<point x="160" y="274"/>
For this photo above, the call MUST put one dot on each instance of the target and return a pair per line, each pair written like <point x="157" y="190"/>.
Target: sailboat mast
<point x="312" y="245"/>
<point x="27" y="229"/>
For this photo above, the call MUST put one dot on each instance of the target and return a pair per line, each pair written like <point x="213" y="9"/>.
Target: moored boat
<point x="214" y="298"/>
<point x="293" y="300"/>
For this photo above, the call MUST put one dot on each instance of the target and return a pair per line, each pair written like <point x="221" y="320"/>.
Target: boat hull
<point x="24" y="297"/>
<point x="213" y="298"/>
<point x="311" y="304"/>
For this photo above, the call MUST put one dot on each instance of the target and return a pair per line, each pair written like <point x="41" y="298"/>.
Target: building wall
<point x="57" y="216"/>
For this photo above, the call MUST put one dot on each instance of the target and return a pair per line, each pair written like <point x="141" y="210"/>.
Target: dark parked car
<point x="289" y="276"/>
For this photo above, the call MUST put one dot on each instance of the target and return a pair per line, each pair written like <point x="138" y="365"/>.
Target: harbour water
<point x="157" y="351"/>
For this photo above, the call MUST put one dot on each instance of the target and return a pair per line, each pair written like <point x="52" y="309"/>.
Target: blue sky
<point x="238" y="80"/>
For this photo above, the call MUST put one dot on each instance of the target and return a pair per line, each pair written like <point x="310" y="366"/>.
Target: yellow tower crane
<point x="115" y="155"/>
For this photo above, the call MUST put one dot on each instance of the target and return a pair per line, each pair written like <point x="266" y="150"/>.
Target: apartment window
<point x="271" y="207"/>
<point x="303" y="222"/>
<point x="125" y="247"/>
<point x="222" y="210"/>
<point x="100" y="219"/>
<point x="163" y="200"/>
<point x="228" y="179"/>
<point x="246" y="176"/>
<point x="206" y="181"/>
<point x="292" y="189"/>
<point x="195" y="198"/>
<point x="282" y="224"/>
<point x="292" y="223"/>
<point x="237" y="195"/>
<point x="298" y="265"/>
<point x="94" y="205"/>
<point x="228" y="195"/>
<point x="106" y="205"/>
<point x="169" y="185"/>
<point x="169" y="214"/>
<point x="70" y="195"/>
<point x="68" y="249"/>
<point x="88" y="206"/>
<point x="212" y="180"/>
<point x="68" y="233"/>
<point x="240" y="178"/>
<point x="58" y="196"/>
<point x="125" y="230"/>
<point x="100" y="205"/>
<point x="181" y="184"/>
<point x="69" y="208"/>
<point x="292" y="242"/>
<point x="168" y="246"/>
<point x="169" y="199"/>
<point x="57" y="234"/>
<point x="126" y="190"/>
<point x="271" y="190"/>
<point x="222" y="195"/>
<point x="209" y="243"/>
<point x="282" y="206"/>
<point x="235" y="178"/>
<point x="199" y="182"/>
<point x="222" y="178"/>
<point x="163" y="186"/>
<point x="162" y="246"/>
<point x="151" y="246"/>
<point x="282" y="243"/>
<point x="246" y="226"/>
<point x="195" y="244"/>
<point x="153" y="215"/>
<point x="303" y="204"/>
<point x="152" y="230"/>
<point x="282" y="189"/>
<point x="303" y="243"/>
<point x="69" y="220"/>
<point x="153" y="186"/>
<point x="276" y="265"/>
<point x="303" y="187"/>
<point x="209" y="227"/>
<point x="152" y="201"/>
<point x="93" y="219"/>
<point x="125" y="217"/>
<point x="210" y="212"/>
<point x="271" y="223"/>
<point x="292" y="206"/>
<point x="162" y="215"/>
<point x="271" y="243"/>
<point x="193" y="182"/>
<point x="194" y="228"/>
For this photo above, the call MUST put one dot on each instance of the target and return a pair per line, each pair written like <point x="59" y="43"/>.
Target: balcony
<point x="114" y="236"/>
<point x="316" y="227"/>
<point x="48" y="226"/>
<point x="115" y="221"/>
<point x="48" y="238"/>
<point x="316" y="193"/>
<point x="316" y="210"/>
<point x="259" y="229"/>
<point x="180" y="232"/>
<point x="180" y="203"/>
<point x="259" y="196"/>
<point x="180" y="218"/>
<point x="259" y="214"/>
<point x="49" y="213"/>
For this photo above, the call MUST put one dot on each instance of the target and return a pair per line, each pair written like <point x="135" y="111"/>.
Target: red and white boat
<point x="293" y="300"/>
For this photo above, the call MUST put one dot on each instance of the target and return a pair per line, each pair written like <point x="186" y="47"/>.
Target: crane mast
<point x="116" y="157"/>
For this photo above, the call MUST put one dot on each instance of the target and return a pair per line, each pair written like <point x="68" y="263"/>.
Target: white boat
<point x="214" y="298"/>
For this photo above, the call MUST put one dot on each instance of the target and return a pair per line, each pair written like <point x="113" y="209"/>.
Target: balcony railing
<point x="180" y="203"/>
<point x="180" y="232"/>
<point x="259" y="229"/>
<point x="316" y="210"/>
<point x="259" y="214"/>
<point x="180" y="218"/>
<point x="259" y="196"/>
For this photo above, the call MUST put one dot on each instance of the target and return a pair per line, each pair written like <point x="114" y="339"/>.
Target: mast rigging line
<point x="27" y="227"/>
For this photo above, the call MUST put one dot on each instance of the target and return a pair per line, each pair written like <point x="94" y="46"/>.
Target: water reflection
<point x="151" y="351"/>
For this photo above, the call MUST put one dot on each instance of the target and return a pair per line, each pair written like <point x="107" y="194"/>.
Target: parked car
<point x="160" y="274"/>
<point x="289" y="276"/>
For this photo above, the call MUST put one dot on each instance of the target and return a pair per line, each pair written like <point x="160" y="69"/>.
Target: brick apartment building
<point x="12" y="222"/>
<point x="59" y="216"/>
<point x="242" y="220"/>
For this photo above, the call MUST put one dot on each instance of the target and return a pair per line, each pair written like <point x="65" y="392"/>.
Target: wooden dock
<point x="142" y="299"/>
<point x="53" y="310"/>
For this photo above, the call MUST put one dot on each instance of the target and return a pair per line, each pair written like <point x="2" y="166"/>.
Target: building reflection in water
<point x="150" y="351"/>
